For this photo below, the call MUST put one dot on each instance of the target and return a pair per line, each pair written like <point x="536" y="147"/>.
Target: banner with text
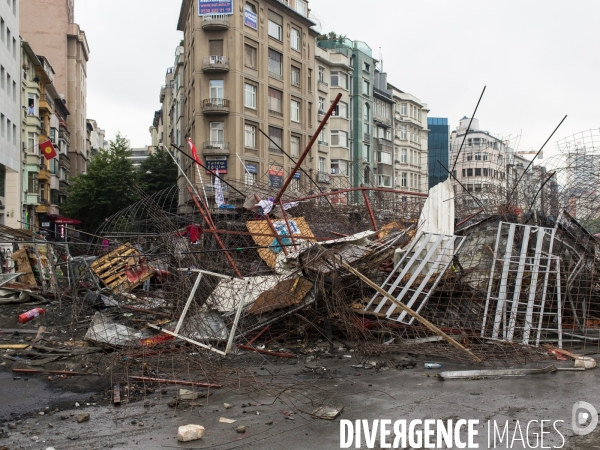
<point x="209" y="7"/>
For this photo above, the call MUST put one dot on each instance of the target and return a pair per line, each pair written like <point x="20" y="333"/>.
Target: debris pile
<point x="168" y="288"/>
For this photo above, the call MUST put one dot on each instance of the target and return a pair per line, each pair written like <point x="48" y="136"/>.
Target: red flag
<point x="194" y="151"/>
<point x="47" y="149"/>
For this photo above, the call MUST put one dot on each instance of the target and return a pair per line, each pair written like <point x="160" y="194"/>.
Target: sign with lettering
<point x="251" y="168"/>
<point x="216" y="163"/>
<point x="210" y="7"/>
<point x="250" y="19"/>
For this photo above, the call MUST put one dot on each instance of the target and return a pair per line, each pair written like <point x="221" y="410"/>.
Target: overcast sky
<point x="538" y="58"/>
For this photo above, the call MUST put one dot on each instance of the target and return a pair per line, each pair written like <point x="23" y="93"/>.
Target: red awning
<point x="66" y="221"/>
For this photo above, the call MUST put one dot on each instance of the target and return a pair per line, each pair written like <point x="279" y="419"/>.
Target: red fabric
<point x="47" y="150"/>
<point x="195" y="233"/>
<point x="194" y="151"/>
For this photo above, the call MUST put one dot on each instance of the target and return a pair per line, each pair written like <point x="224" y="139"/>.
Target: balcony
<point x="384" y="145"/>
<point x="63" y="186"/>
<point x="44" y="175"/>
<point x="323" y="86"/>
<point x="215" y="64"/>
<point x="367" y="137"/>
<point x="323" y="177"/>
<point x="382" y="120"/>
<point x="215" y="22"/>
<point x="215" y="148"/>
<point x="46" y="103"/>
<point x="215" y="106"/>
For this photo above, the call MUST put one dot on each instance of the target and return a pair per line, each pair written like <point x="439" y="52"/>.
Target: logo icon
<point x="585" y="419"/>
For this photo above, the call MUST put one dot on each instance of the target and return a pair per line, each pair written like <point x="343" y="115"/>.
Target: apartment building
<point x="50" y="29"/>
<point x="10" y="115"/>
<point x="139" y="155"/>
<point x="248" y="69"/>
<point x="333" y="159"/>
<point x="95" y="137"/>
<point x="410" y="142"/>
<point x="486" y="166"/>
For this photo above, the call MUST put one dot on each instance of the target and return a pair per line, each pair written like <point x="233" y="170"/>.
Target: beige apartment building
<point x="49" y="27"/>
<point x="410" y="142"/>
<point x="245" y="72"/>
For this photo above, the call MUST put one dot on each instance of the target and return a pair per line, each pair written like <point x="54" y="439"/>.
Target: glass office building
<point x="439" y="146"/>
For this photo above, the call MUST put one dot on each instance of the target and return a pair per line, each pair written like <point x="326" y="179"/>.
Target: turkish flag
<point x="194" y="151"/>
<point x="48" y="149"/>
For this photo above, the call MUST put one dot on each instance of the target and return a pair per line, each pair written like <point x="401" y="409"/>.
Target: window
<point x="339" y="167"/>
<point x="275" y="101"/>
<point x="485" y="172"/>
<point x="295" y="145"/>
<point x="339" y="138"/>
<point x="216" y="47"/>
<point x="366" y="112"/>
<point x="366" y="87"/>
<point x="321" y="164"/>
<point x="295" y="109"/>
<point x="469" y="172"/>
<point x="301" y="7"/>
<point x="3" y="76"/>
<point x="2" y="125"/>
<point x="339" y="79"/>
<point x="14" y="48"/>
<point x="403" y="132"/>
<point x="404" y="179"/>
<point x="276" y="135"/>
<point x="477" y="172"/>
<point x="14" y="135"/>
<point x="295" y="39"/>
<point x="8" y="130"/>
<point x="216" y="89"/>
<point x="249" y="96"/>
<point x="295" y="74"/>
<point x="402" y="109"/>
<point x="53" y="136"/>
<point x="275" y="67"/>
<point x="404" y="156"/>
<point x="275" y="28"/>
<point x="366" y="152"/>
<point x="469" y="157"/>
<point x="321" y="105"/>
<point x="310" y="80"/>
<point x="32" y="183"/>
<point x="8" y="84"/>
<point x="250" y="56"/>
<point x="477" y="156"/>
<point x="478" y="187"/>
<point x="321" y="78"/>
<point x="249" y="136"/>
<point x="366" y="67"/>
<point x="32" y="146"/>
<point x="384" y="158"/>
<point x="14" y="91"/>
<point x="3" y="29"/>
<point x="341" y="110"/>
<point x="217" y="134"/>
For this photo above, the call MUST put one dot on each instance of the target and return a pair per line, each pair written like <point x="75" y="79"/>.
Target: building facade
<point x="248" y="73"/>
<point x="65" y="44"/>
<point x="410" y="142"/>
<point x="333" y="161"/>
<point x="383" y="130"/>
<point x="487" y="165"/>
<point x="438" y="150"/>
<point x="10" y="115"/>
<point x="362" y="164"/>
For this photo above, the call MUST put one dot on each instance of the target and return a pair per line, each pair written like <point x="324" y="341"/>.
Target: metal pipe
<point x="308" y="147"/>
<point x="183" y="383"/>
<point x="369" y="209"/>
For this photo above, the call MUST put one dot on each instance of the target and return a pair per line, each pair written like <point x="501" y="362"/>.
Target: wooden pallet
<point x="111" y="268"/>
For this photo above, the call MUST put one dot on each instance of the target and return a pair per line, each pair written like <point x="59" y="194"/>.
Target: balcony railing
<point x="211" y="187"/>
<point x="323" y="86"/>
<point x="366" y="136"/>
<point x="382" y="120"/>
<point x="275" y="113"/>
<point x="276" y="75"/>
<point x="215" y="22"/>
<point x="215" y="106"/>
<point x="383" y="144"/>
<point x="216" y="148"/>
<point x="215" y="64"/>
